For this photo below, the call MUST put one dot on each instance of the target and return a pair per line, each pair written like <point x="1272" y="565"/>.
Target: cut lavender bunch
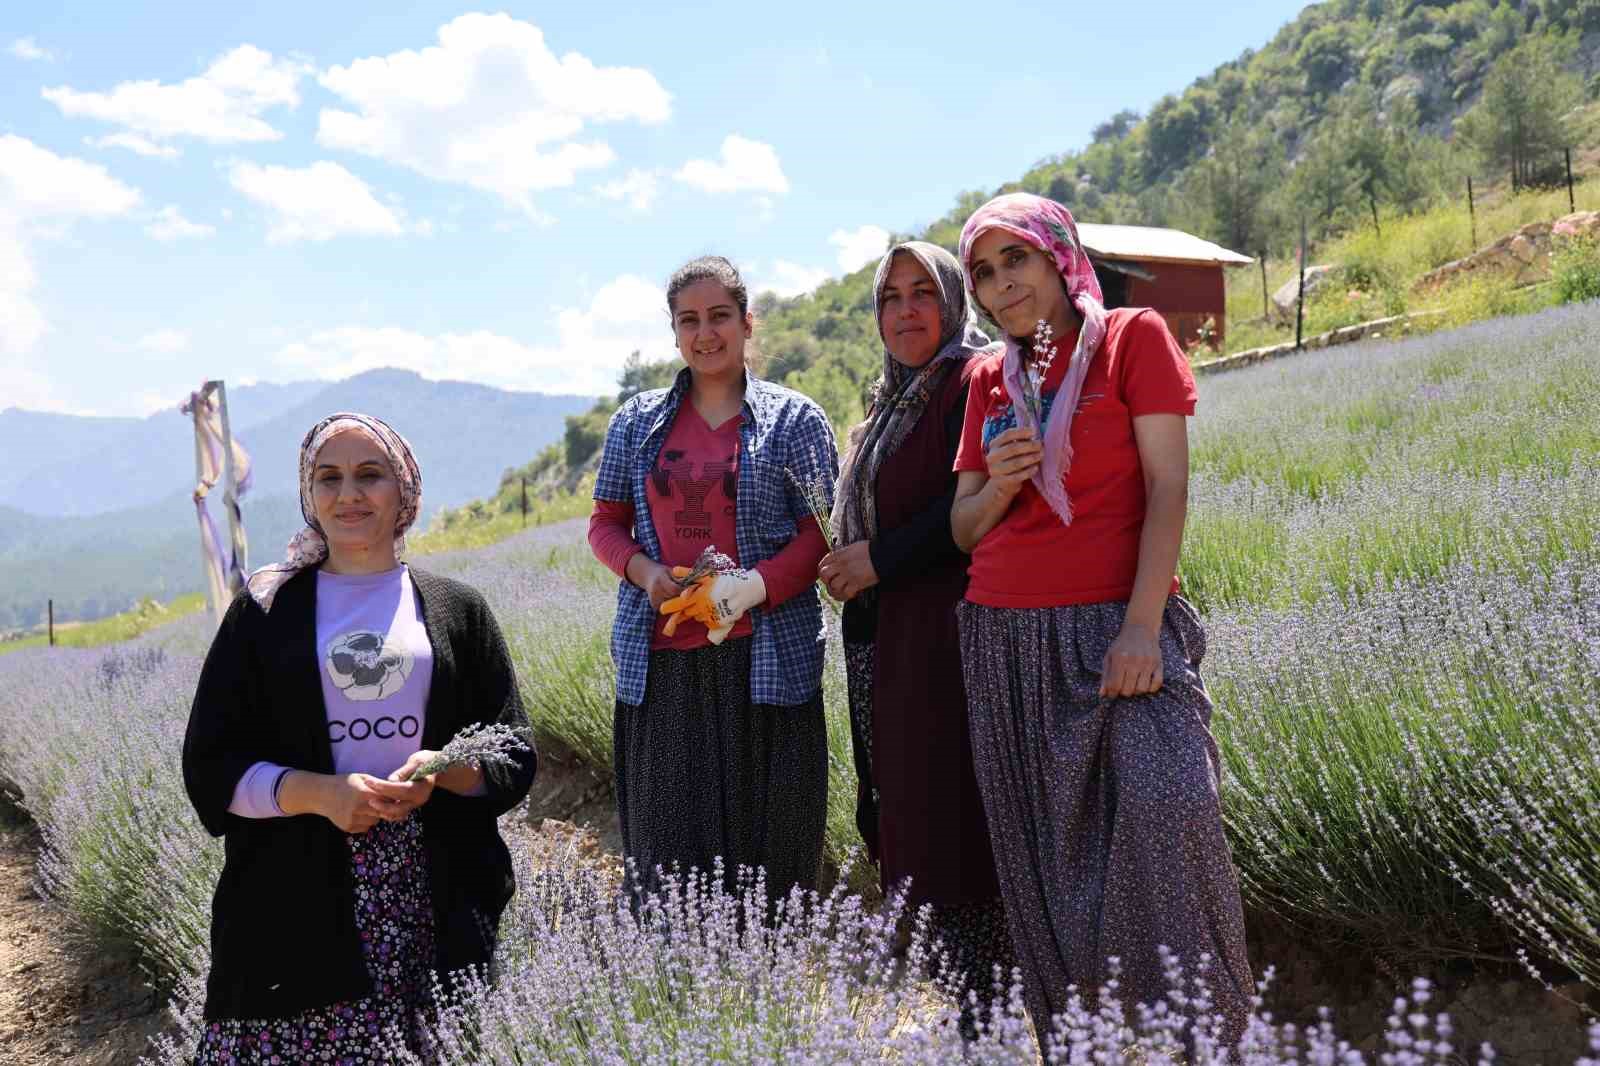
<point x="710" y="561"/>
<point x="815" y="494"/>
<point x="477" y="745"/>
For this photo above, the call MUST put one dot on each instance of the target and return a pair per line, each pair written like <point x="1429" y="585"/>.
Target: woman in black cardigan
<point x="347" y="888"/>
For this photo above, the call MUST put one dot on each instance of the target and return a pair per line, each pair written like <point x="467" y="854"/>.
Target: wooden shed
<point x="1176" y="273"/>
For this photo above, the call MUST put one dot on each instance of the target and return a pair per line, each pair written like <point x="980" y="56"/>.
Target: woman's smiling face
<point x="908" y="312"/>
<point x="1017" y="284"/>
<point x="355" y="494"/>
<point x="709" y="328"/>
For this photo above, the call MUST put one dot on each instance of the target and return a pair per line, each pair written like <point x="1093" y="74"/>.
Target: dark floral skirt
<point x="703" y="773"/>
<point x="394" y="916"/>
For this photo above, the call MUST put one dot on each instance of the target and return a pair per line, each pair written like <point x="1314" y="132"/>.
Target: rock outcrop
<point x="1283" y="300"/>
<point x="1523" y="256"/>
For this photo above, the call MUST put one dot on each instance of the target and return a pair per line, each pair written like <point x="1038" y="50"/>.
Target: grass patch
<point x="115" y="628"/>
<point x="1383" y="269"/>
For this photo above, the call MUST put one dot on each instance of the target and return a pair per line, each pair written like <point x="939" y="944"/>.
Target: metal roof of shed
<point x="1152" y="245"/>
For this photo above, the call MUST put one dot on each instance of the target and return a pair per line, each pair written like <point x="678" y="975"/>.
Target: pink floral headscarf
<point x="309" y="547"/>
<point x="1049" y="227"/>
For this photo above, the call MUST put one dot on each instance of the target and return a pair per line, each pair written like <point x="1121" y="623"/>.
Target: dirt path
<point x="61" y="1002"/>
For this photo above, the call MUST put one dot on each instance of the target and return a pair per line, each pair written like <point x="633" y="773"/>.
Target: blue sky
<point x="309" y="190"/>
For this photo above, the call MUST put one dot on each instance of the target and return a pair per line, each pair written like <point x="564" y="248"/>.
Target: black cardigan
<point x="283" y="936"/>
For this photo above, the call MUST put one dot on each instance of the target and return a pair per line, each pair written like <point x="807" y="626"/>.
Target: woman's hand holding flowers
<point x="1013" y="458"/>
<point x="350" y="801"/>
<point x="848" y="571"/>
<point x="656" y="579"/>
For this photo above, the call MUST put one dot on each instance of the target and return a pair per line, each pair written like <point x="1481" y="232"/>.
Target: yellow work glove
<point x="717" y="601"/>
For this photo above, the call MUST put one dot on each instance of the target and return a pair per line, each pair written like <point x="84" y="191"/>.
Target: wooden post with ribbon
<point x="217" y="458"/>
<point x="230" y="496"/>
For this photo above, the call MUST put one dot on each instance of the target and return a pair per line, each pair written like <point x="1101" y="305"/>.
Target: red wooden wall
<point x="1186" y="296"/>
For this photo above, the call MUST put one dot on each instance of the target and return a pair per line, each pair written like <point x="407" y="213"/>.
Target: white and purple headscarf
<point x="1049" y="227"/>
<point x="309" y="547"/>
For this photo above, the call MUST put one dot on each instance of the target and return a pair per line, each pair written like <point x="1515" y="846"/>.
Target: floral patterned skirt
<point x="1105" y="813"/>
<point x="394" y="915"/>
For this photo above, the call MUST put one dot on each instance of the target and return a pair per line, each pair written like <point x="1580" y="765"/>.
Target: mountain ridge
<point x="99" y="515"/>
<point x="138" y="461"/>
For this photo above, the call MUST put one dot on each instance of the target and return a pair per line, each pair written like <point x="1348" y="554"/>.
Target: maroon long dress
<point x="920" y="811"/>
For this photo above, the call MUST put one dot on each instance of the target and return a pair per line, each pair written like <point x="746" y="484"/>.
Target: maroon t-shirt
<point x="693" y="490"/>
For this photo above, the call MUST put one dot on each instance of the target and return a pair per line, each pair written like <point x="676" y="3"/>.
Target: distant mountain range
<point x="95" y="512"/>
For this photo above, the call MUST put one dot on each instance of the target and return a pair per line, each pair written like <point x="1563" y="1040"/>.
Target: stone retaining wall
<point x="1377" y="327"/>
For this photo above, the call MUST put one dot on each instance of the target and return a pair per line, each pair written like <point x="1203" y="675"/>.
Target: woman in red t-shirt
<point x="1089" y="720"/>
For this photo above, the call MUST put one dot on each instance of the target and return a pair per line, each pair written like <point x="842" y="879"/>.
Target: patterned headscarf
<point x="902" y="393"/>
<point x="309" y="547"/>
<point x="1047" y="226"/>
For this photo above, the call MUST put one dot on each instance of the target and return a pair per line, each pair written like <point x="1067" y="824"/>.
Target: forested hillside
<point x="1356" y="107"/>
<point x="1355" y="112"/>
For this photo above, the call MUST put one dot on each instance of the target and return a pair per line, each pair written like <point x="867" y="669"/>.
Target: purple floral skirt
<point x="1105" y="813"/>
<point x="394" y="915"/>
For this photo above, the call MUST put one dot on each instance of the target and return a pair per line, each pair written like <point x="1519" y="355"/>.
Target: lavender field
<point x="1394" y="546"/>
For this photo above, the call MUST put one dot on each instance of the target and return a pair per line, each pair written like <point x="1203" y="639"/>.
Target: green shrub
<point x="1576" y="270"/>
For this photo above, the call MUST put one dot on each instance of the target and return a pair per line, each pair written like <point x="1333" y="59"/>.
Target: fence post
<point x="51" y="608"/>
<point x="1376" y="229"/>
<point x="1266" y="305"/>
<point x="1300" y="300"/>
<point x="1472" y="214"/>
<point x="524" y="503"/>
<point x="1572" y="201"/>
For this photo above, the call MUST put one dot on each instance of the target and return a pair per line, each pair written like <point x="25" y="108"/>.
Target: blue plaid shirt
<point x="782" y="433"/>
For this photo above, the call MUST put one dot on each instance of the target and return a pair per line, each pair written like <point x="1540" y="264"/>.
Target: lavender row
<point x="1506" y="394"/>
<point x="1420" y="767"/>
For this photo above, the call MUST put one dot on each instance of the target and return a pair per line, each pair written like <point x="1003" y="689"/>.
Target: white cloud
<point x="859" y="246"/>
<point x="639" y="188"/>
<point x="36" y="183"/>
<point x="27" y="48"/>
<point x="626" y="314"/>
<point x="788" y="279"/>
<point x="133" y="143"/>
<point x="315" y="203"/>
<point x="170" y="225"/>
<point x="164" y="342"/>
<point x="40" y="190"/>
<point x="223" y="105"/>
<point x="490" y="106"/>
<point x="21" y="321"/>
<point x="742" y="166"/>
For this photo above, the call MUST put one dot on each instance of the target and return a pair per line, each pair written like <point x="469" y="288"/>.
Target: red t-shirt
<point x="1030" y="559"/>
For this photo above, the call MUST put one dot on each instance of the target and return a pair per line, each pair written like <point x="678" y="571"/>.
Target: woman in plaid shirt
<point x="720" y="749"/>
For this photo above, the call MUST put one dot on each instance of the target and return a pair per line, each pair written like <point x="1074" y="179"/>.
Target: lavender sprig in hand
<point x="482" y="746"/>
<point x="1044" y="353"/>
<point x="815" y="494"/>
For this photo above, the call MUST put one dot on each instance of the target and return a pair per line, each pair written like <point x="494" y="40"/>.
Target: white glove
<point x="731" y="595"/>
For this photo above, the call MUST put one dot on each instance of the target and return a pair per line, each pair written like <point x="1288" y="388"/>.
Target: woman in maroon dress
<point x="901" y="576"/>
